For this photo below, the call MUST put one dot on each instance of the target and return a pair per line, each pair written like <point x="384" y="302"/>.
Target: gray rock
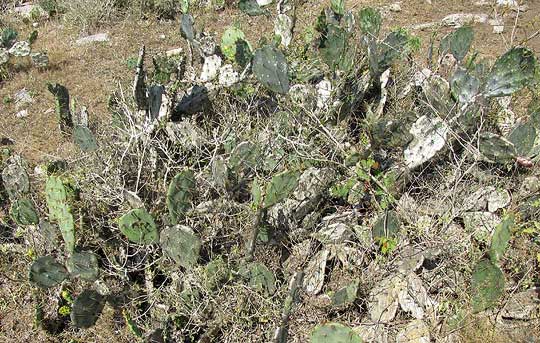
<point x="383" y="299"/>
<point x="22" y="98"/>
<point x="210" y="68"/>
<point x="430" y="137"/>
<point x="20" y="49"/>
<point x="372" y="333"/>
<point x="228" y="76"/>
<point x="100" y="37"/>
<point x="415" y="332"/>
<point x="461" y="19"/>
<point x="314" y="273"/>
<point x="523" y="305"/>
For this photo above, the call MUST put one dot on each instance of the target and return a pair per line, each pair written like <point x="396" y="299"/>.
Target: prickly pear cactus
<point x="244" y="155"/>
<point x="387" y="226"/>
<point x="457" y="43"/>
<point x="280" y="187"/>
<point x="496" y="148"/>
<point x="46" y="272"/>
<point x="229" y="41"/>
<point x="186" y="27"/>
<point x="84" y="138"/>
<point x="179" y="195"/>
<point x="370" y="22"/>
<point x="24" y="213"/>
<point x="251" y="7"/>
<point x="333" y="333"/>
<point x="63" y="112"/>
<point x="338" y="7"/>
<point x="464" y="86"/>
<point x="56" y="195"/>
<point x="86" y="309"/>
<point x="511" y="72"/>
<point x="523" y="136"/>
<point x="83" y="265"/>
<point x="487" y="285"/>
<point x="181" y="244"/>
<point x="15" y="178"/>
<point x="20" y="49"/>
<point x="500" y="239"/>
<point x="270" y="68"/>
<point x="139" y="226"/>
<point x="259" y="278"/>
<point x="334" y="46"/>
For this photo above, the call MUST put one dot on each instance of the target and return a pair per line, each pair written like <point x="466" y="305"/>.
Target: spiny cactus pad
<point x="181" y="244"/>
<point x="500" y="239"/>
<point x="46" y="272"/>
<point x="457" y="43"/>
<point x="524" y="137"/>
<point x="280" y="187"/>
<point x="56" y="196"/>
<point x="511" y="72"/>
<point x="259" y="277"/>
<point x="270" y="68"/>
<point x="84" y="265"/>
<point x="464" y="85"/>
<point x="84" y="138"/>
<point x="370" y="21"/>
<point x="388" y="225"/>
<point x="334" y="333"/>
<point x="229" y="40"/>
<point x="496" y="148"/>
<point x="179" y="195"/>
<point x="86" y="309"/>
<point x="487" y="285"/>
<point x="139" y="227"/>
<point x="24" y="213"/>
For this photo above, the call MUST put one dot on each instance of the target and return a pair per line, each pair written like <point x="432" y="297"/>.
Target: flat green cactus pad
<point x="86" y="309"/>
<point x="270" y="68"/>
<point x="139" y="227"/>
<point x="334" y="333"/>
<point x="84" y="265"/>
<point x="46" y="272"/>
<point x="487" y="285"/>
<point x="24" y="213"/>
<point x="179" y="195"/>
<point x="181" y="244"/>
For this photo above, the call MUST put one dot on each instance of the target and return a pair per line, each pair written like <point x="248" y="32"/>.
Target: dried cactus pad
<point x="334" y="333"/>
<point x="270" y="68"/>
<point x="179" y="195"/>
<point x="46" y="272"/>
<point x="139" y="227"/>
<point x="84" y="265"/>
<point x="24" y="213"/>
<point x="86" y="309"/>
<point x="181" y="244"/>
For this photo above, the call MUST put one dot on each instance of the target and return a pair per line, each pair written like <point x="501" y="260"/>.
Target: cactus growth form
<point x="179" y="195"/>
<point x="523" y="136"/>
<point x="280" y="187"/>
<point x="512" y="71"/>
<point x="500" y="239"/>
<point x="86" y="309"/>
<point x="487" y="285"/>
<point x="181" y="244"/>
<point x="84" y="265"/>
<point x="139" y="227"/>
<point x="63" y="112"/>
<point x="333" y="333"/>
<point x="46" y="272"/>
<point x="270" y="68"/>
<point x="56" y="195"/>
<point x="24" y="213"/>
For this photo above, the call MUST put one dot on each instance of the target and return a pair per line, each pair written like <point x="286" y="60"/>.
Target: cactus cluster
<point x="11" y="48"/>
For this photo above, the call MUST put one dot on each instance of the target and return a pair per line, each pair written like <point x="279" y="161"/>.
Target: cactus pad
<point x="333" y="333"/>
<point x="270" y="68"/>
<point x="181" y="244"/>
<point x="83" y="265"/>
<point x="46" y="272"/>
<point x="24" y="213"/>
<point x="179" y="195"/>
<point x="457" y="43"/>
<point x="280" y="187"/>
<point x="84" y="138"/>
<point x="86" y="309"/>
<point x="139" y="227"/>
<point x="487" y="285"/>
<point x="56" y="195"/>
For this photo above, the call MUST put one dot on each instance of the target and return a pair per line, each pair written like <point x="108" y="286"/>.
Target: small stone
<point x="523" y="305"/>
<point x="498" y="29"/>
<point x="395" y="7"/>
<point x="264" y="2"/>
<point x="20" y="49"/>
<point x="162" y="36"/>
<point x="415" y="332"/>
<point x="498" y="199"/>
<point x="22" y="114"/>
<point x="22" y="98"/>
<point x="174" y="52"/>
<point x="314" y="273"/>
<point x="100" y="37"/>
<point x="228" y="76"/>
<point x="383" y="299"/>
<point x="461" y="19"/>
<point x="210" y="68"/>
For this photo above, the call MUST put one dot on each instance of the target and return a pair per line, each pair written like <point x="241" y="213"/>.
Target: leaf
<point x="487" y="285"/>
<point x="280" y="187"/>
<point x="46" y="272"/>
<point x="511" y="72"/>
<point x="84" y="138"/>
<point x="186" y="27"/>
<point x="334" y="333"/>
<point x="139" y="227"/>
<point x="251" y="7"/>
<point x="86" y="309"/>
<point x="24" y="213"/>
<point x="457" y="43"/>
<point x="370" y="21"/>
<point x="179" y="195"/>
<point x="501" y="237"/>
<point x="181" y="244"/>
<point x="464" y="86"/>
<point x="523" y="136"/>
<point x="84" y="265"/>
<point x="270" y="68"/>
<point x="497" y="148"/>
<point x="245" y="155"/>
